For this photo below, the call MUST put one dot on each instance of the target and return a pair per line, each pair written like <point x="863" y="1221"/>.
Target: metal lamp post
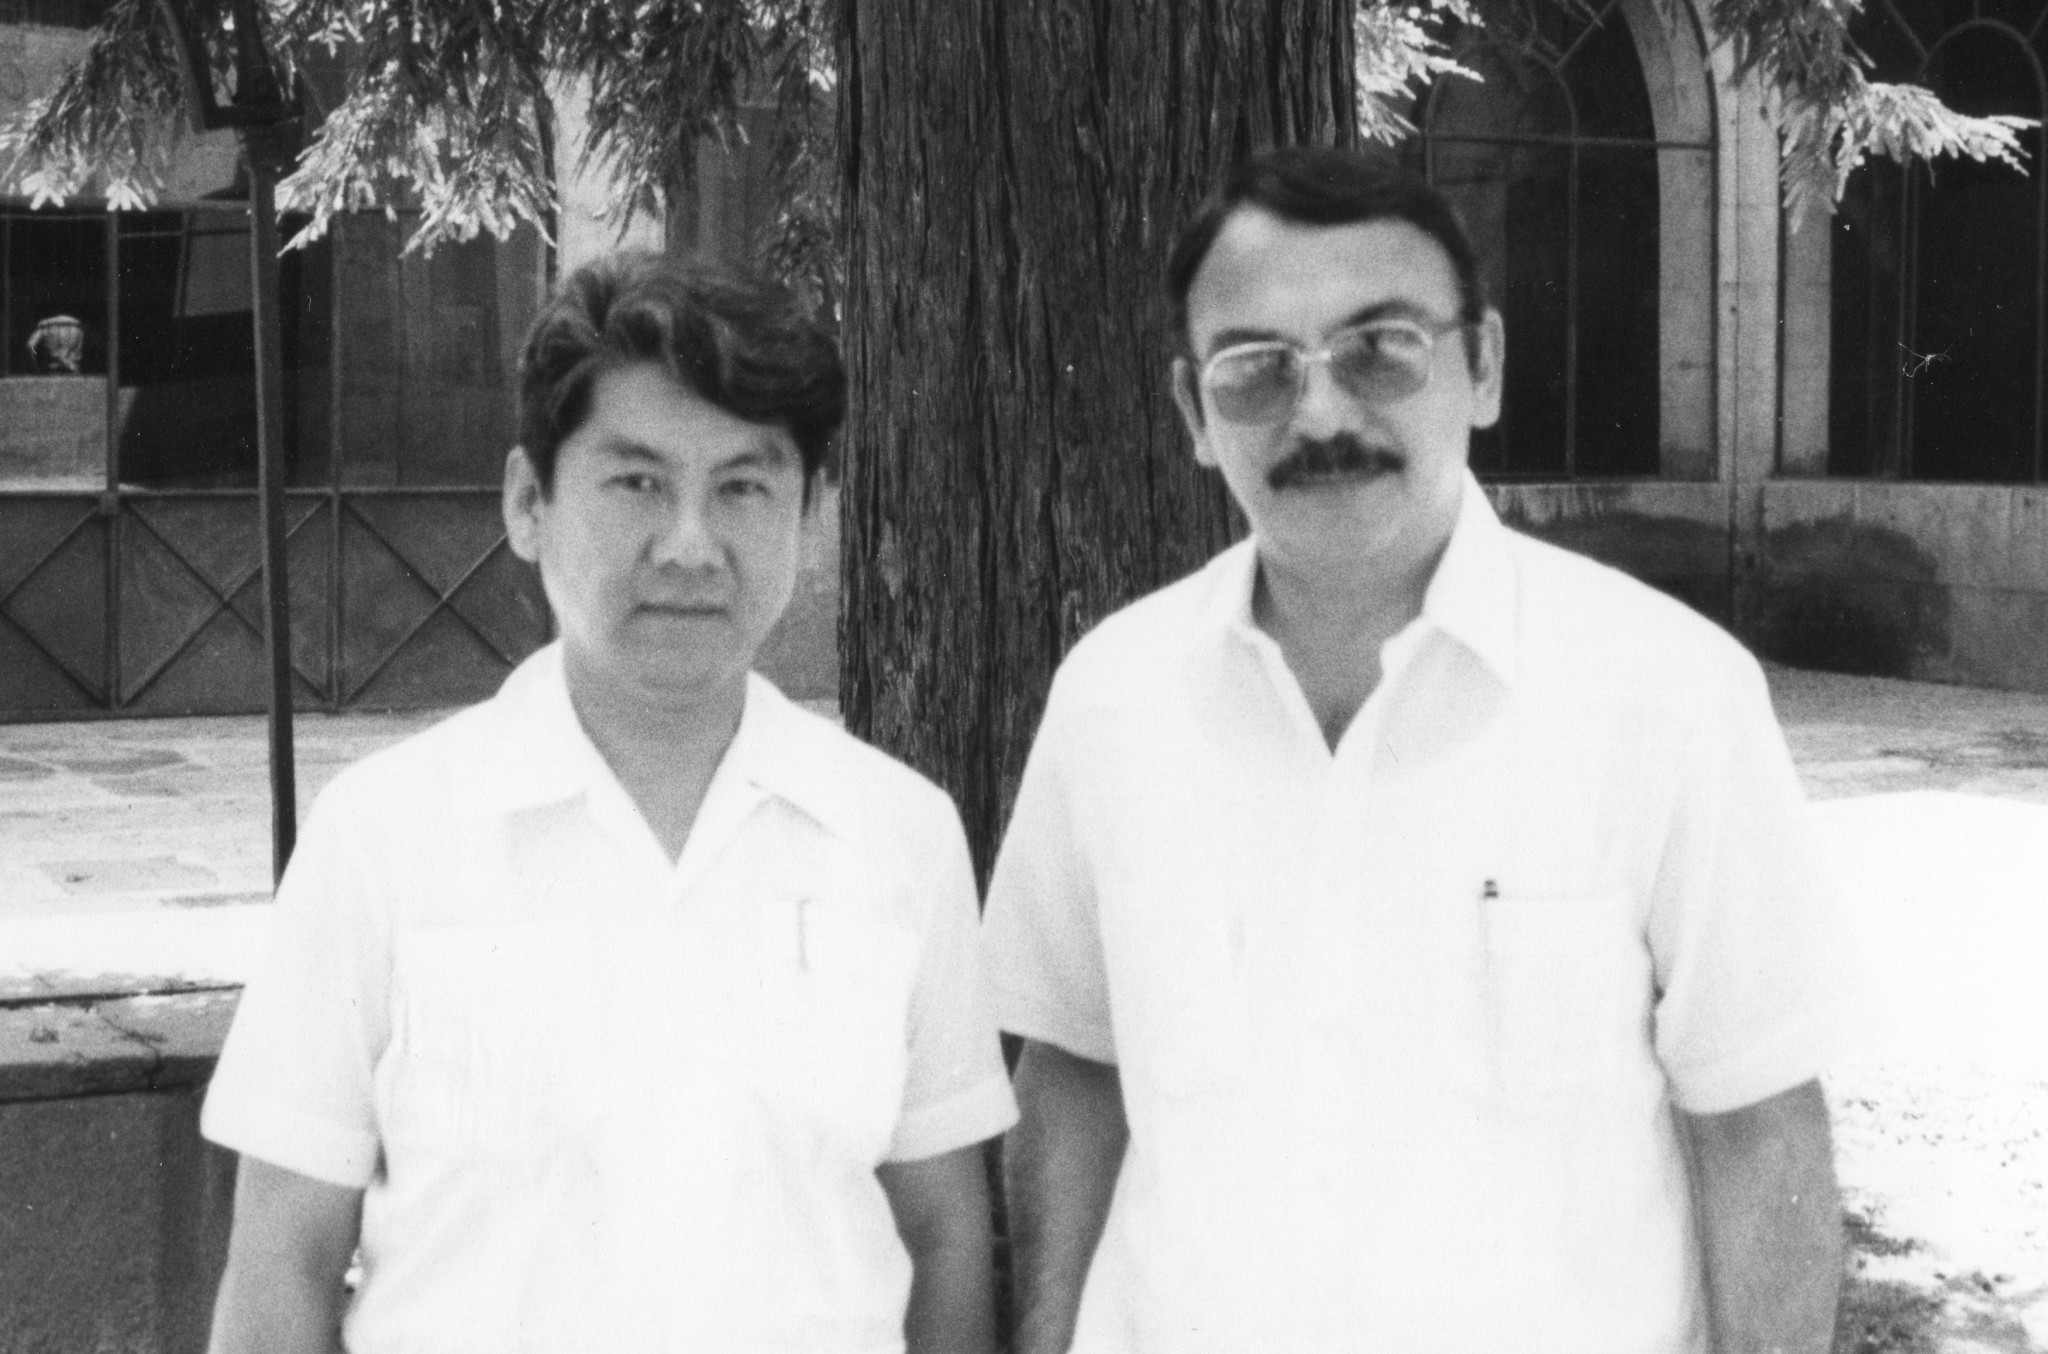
<point x="264" y="118"/>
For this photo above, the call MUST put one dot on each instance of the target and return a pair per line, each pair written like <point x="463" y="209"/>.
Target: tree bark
<point x="1014" y="171"/>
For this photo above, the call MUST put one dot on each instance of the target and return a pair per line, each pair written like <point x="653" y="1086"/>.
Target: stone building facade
<point x="1827" y="433"/>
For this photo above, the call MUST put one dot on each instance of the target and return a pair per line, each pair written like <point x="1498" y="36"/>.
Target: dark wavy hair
<point x="735" y="339"/>
<point x="1326" y="186"/>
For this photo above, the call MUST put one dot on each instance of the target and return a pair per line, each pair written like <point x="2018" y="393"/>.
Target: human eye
<point x="743" y="487"/>
<point x="1252" y="383"/>
<point x="1252" y="366"/>
<point x="1252" y="360"/>
<point x="1395" y="339"/>
<point x="634" y="482"/>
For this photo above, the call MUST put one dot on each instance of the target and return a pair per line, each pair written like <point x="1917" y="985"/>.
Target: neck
<point x="1331" y="622"/>
<point x="662" y="745"/>
<point x="653" y="724"/>
<point x="1307" y="606"/>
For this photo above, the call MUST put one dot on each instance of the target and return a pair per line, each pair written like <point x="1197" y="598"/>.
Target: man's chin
<point x="1359" y="523"/>
<point x="669" y="670"/>
<point x="680" y="618"/>
<point x="1350" y="497"/>
<point x="1339" y="482"/>
<point x="684" y="685"/>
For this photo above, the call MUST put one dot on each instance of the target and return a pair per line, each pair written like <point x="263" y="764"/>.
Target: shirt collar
<point x="777" y="751"/>
<point x="534" y="751"/>
<point x="1472" y="596"/>
<point x="529" y="748"/>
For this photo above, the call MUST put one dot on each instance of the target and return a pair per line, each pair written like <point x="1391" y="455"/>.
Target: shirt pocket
<point x="1569" y="976"/>
<point x="834" y="1020"/>
<point x="1180" y="990"/>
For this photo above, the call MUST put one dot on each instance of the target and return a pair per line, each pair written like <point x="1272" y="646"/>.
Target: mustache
<point x="1317" y="458"/>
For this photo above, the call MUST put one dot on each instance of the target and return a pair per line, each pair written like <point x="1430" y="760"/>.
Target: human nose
<point x="685" y="538"/>
<point x="1323" y="406"/>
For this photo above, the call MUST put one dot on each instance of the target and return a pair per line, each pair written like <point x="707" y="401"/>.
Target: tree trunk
<point x="1014" y="173"/>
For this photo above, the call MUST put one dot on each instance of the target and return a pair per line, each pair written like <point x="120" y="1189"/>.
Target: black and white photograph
<point x="1023" y="676"/>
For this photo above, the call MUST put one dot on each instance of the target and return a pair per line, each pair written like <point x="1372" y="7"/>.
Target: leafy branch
<point x="111" y="123"/>
<point x="1400" y="51"/>
<point x="447" y="107"/>
<point x="1832" y="116"/>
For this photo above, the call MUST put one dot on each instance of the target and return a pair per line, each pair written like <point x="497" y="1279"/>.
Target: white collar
<point x="529" y="748"/>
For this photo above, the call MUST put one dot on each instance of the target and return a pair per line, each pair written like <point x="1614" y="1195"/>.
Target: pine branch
<point x="445" y="105"/>
<point x="1823" y="147"/>
<point x="1400" y="51"/>
<point x="112" y="123"/>
<point x="1832" y="117"/>
<point x="440" y="113"/>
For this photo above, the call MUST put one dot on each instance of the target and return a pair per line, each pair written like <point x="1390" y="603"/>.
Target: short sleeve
<point x="294" y="1082"/>
<point x="1041" y="937"/>
<point x="1760" y="981"/>
<point x="956" y="1092"/>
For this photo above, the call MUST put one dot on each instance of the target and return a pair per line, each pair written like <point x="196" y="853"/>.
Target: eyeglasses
<point x="1259" y="384"/>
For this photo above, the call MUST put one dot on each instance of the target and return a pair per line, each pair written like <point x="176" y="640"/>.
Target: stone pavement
<point x="116" y="815"/>
<point x="134" y="855"/>
<point x="1931" y="804"/>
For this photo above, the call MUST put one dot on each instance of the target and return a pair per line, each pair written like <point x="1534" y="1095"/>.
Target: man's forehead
<point x="1291" y="279"/>
<point x="642" y="411"/>
<point x="687" y="425"/>
<point x="765" y="448"/>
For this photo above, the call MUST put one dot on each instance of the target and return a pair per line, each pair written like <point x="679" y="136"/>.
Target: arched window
<point x="1588" y="189"/>
<point x="1937" y="339"/>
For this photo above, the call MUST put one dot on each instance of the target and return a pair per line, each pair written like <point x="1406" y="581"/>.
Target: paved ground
<point x="1932" y="802"/>
<point x="139" y="850"/>
<point x="135" y="855"/>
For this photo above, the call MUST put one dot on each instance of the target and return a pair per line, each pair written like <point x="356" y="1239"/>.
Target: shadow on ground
<point x="1894" y="1302"/>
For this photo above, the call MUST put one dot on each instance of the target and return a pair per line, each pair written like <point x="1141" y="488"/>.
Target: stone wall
<point x="114" y="1212"/>
<point x="1935" y="582"/>
<point x="1672" y="534"/>
<point x="1928" y="582"/>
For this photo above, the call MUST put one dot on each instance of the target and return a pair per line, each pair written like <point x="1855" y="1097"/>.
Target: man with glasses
<point x="1410" y="926"/>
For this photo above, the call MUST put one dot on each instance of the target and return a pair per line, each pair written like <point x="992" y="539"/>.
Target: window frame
<point x="1678" y="80"/>
<point x="1897" y="459"/>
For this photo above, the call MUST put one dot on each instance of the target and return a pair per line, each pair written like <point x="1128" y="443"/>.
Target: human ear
<point x="1187" y="397"/>
<point x="520" y="504"/>
<point x="1488" y="368"/>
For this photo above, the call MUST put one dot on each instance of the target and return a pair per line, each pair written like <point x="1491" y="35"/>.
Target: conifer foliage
<point x="445" y="105"/>
<point x="1831" y="116"/>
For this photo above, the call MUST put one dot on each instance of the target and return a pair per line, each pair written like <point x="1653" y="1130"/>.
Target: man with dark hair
<point x="636" y="1008"/>
<point x="1411" y="926"/>
<point x="741" y="346"/>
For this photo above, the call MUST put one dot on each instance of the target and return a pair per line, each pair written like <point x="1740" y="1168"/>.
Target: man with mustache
<point x="1410" y="925"/>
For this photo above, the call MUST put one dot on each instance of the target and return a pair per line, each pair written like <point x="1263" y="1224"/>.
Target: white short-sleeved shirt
<point x="602" y="1100"/>
<point x="1401" y="1028"/>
